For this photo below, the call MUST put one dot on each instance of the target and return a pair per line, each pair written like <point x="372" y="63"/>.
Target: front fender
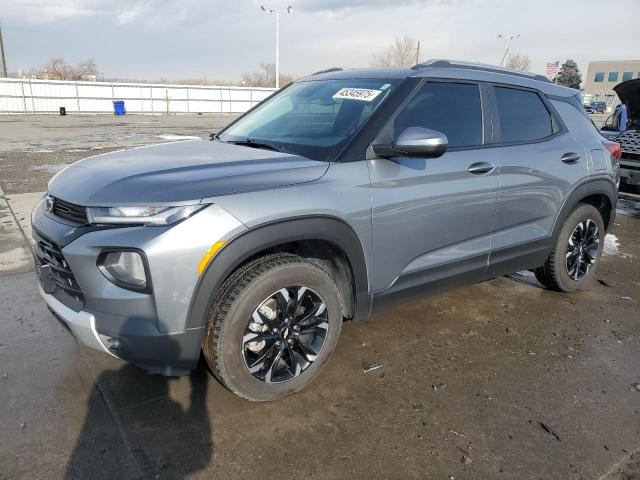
<point x="266" y="236"/>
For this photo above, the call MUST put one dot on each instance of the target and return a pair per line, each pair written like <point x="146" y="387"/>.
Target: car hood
<point x="179" y="173"/>
<point x="629" y="94"/>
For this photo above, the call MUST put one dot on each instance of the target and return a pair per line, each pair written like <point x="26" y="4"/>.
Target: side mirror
<point x="415" y="142"/>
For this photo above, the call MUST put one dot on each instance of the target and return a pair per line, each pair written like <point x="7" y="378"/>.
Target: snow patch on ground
<point x="178" y="137"/>
<point x="49" y="168"/>
<point x="611" y="245"/>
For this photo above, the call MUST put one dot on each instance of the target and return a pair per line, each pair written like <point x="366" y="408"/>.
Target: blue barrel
<point x="118" y="107"/>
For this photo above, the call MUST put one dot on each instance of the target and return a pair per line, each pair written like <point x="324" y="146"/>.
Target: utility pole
<point x="277" y="50"/>
<point x="507" y="44"/>
<point x="418" y="53"/>
<point x="276" y="12"/>
<point x="3" y="62"/>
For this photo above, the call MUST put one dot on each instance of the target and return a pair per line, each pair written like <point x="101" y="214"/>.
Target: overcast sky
<point x="178" y="39"/>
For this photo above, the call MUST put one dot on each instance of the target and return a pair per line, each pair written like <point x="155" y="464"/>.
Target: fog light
<point x="124" y="268"/>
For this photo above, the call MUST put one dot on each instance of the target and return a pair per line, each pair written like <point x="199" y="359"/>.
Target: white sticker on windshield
<point x="362" y="94"/>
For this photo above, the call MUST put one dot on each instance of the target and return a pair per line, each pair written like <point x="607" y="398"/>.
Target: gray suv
<point x="345" y="192"/>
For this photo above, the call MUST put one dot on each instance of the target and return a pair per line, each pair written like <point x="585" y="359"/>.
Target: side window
<point x="523" y="115"/>
<point x="451" y="108"/>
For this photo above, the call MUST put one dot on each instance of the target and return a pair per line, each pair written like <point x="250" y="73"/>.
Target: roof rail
<point x="328" y="70"/>
<point x="480" y="67"/>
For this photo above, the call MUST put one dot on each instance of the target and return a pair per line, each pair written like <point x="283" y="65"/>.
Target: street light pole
<point x="3" y="62"/>
<point x="276" y="12"/>
<point x="507" y="43"/>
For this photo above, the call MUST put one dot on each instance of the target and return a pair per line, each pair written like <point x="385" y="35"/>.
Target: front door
<point x="432" y="218"/>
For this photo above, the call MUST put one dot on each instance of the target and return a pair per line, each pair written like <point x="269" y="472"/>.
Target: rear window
<point x="523" y="116"/>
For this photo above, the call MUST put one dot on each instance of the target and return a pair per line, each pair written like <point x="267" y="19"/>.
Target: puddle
<point x="526" y="277"/>
<point x="49" y="168"/>
<point x="628" y="207"/>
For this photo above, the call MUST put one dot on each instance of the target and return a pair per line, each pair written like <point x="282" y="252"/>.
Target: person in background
<point x="620" y="117"/>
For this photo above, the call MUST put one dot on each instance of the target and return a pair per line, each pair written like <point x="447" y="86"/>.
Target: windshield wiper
<point x="248" y="142"/>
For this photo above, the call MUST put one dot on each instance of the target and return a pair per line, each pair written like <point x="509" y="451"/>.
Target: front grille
<point x="49" y="254"/>
<point x="68" y="210"/>
<point x="629" y="141"/>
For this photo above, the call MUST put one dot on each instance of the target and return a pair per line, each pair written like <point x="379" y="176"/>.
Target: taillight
<point x="613" y="147"/>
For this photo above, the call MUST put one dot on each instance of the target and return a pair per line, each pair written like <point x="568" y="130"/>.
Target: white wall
<point x="47" y="96"/>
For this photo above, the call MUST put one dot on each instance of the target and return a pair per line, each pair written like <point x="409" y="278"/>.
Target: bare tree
<point x="518" y="61"/>
<point x="57" y="69"/>
<point x="85" y="70"/>
<point x="403" y="52"/>
<point x="264" y="77"/>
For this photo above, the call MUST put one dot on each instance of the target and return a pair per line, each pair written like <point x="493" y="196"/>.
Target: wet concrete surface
<point x="497" y="380"/>
<point x="629" y="204"/>
<point x="34" y="147"/>
<point x="467" y="380"/>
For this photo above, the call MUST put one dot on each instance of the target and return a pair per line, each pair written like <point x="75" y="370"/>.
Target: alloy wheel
<point x="582" y="250"/>
<point x="285" y="334"/>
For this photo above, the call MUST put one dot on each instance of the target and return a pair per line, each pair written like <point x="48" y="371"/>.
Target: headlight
<point x="124" y="268"/>
<point x="140" y="215"/>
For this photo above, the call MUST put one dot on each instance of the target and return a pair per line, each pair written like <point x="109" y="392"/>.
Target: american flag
<point x="552" y="69"/>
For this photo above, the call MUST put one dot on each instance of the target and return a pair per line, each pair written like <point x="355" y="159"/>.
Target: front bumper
<point x="630" y="172"/>
<point x="169" y="354"/>
<point x="148" y="329"/>
<point x="82" y="324"/>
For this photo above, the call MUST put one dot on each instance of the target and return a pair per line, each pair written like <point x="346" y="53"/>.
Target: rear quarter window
<point x="523" y="116"/>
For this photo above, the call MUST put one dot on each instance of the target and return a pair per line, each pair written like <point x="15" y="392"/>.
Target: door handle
<point x="570" y="157"/>
<point x="480" y="168"/>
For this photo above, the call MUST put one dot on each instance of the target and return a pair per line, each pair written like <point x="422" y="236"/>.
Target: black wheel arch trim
<point x="264" y="236"/>
<point x="586" y="189"/>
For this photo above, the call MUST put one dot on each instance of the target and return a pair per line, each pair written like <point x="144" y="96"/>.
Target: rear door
<point x="540" y="164"/>
<point x="432" y="217"/>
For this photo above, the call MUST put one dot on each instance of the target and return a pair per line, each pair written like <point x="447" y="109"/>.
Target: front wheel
<point x="273" y="326"/>
<point x="575" y="257"/>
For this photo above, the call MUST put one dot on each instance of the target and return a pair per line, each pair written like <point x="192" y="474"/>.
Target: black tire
<point x="224" y="346"/>
<point x="554" y="274"/>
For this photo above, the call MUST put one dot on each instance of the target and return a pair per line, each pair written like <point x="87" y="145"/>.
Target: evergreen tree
<point x="569" y="75"/>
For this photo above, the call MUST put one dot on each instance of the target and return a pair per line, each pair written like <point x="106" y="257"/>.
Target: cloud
<point x="119" y="12"/>
<point x="131" y="13"/>
<point x="223" y="38"/>
<point x="48" y="11"/>
<point x="340" y="5"/>
<point x="122" y="12"/>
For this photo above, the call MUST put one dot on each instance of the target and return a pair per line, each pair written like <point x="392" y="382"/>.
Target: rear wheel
<point x="575" y="257"/>
<point x="274" y="325"/>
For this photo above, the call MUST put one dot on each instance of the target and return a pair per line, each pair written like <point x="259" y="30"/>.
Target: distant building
<point x="602" y="76"/>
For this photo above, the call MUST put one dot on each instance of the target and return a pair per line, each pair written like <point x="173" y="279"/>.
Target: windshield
<point x="311" y="118"/>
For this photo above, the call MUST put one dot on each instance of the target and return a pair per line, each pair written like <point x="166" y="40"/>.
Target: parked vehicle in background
<point x="629" y="94"/>
<point x="345" y="192"/>
<point x="589" y="109"/>
<point x="599" y="107"/>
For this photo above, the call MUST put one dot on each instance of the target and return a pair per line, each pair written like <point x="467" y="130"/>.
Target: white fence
<point x="47" y="96"/>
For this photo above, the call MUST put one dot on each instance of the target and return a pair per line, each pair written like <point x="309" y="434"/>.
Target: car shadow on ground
<point x="145" y="431"/>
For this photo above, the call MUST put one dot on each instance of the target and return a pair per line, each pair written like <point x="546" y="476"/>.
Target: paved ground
<point x="34" y="147"/>
<point x="497" y="380"/>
